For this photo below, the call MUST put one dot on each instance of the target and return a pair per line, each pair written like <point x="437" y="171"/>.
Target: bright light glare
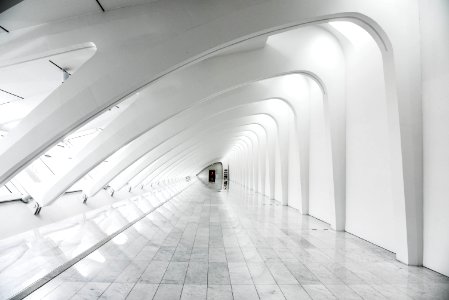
<point x="97" y="257"/>
<point x="84" y="270"/>
<point x="120" y="239"/>
<point x="354" y="33"/>
<point x="293" y="84"/>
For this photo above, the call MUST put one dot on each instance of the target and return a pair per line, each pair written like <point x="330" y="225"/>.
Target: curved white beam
<point x="401" y="65"/>
<point x="194" y="120"/>
<point x="188" y="158"/>
<point x="170" y="127"/>
<point x="140" y="176"/>
<point x="197" y="157"/>
<point x="240" y="120"/>
<point x="189" y="164"/>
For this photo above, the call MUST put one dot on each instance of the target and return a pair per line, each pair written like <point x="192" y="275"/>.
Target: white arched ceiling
<point x="144" y="114"/>
<point x="200" y="156"/>
<point x="139" y="174"/>
<point x="181" y="151"/>
<point x="84" y="163"/>
<point x="171" y="40"/>
<point x="216" y="118"/>
<point x="215" y="131"/>
<point x="136" y="173"/>
<point x="211" y="109"/>
<point x="244" y="131"/>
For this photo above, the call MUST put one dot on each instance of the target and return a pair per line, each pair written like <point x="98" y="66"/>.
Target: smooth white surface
<point x="435" y="68"/>
<point x="184" y="47"/>
<point x="369" y="200"/>
<point x="321" y="181"/>
<point x="30" y="256"/>
<point x="238" y="245"/>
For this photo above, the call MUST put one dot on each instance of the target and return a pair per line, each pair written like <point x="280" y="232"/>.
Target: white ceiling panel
<point x="35" y="12"/>
<point x="32" y="81"/>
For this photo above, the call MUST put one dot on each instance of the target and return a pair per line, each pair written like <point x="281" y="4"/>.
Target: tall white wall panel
<point x="321" y="183"/>
<point x="435" y="77"/>
<point x="369" y="202"/>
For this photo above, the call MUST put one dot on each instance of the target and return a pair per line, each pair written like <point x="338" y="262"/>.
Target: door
<point x="211" y="175"/>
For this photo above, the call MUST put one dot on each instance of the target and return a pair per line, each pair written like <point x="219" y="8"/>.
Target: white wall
<point x="294" y="176"/>
<point x="321" y="184"/>
<point x="435" y="92"/>
<point x="277" y="173"/>
<point x="369" y="202"/>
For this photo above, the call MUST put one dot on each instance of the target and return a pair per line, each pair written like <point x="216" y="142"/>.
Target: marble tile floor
<point x="32" y="258"/>
<point x="210" y="244"/>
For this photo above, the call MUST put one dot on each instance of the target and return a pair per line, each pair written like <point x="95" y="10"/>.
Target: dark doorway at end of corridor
<point x="211" y="175"/>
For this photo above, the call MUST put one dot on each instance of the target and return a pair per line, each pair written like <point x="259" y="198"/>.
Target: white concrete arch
<point x="234" y="115"/>
<point x="136" y="176"/>
<point x="184" y="151"/>
<point x="137" y="109"/>
<point x="245" y="133"/>
<point x="148" y="142"/>
<point x="82" y="99"/>
<point x="190" y="159"/>
<point x="157" y="175"/>
<point x="137" y="180"/>
<point x="224" y="124"/>
<point x="272" y="134"/>
<point x="83" y="164"/>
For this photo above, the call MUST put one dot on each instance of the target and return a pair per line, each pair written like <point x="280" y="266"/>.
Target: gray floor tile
<point x="318" y="291"/>
<point x="280" y="273"/>
<point x="269" y="292"/>
<point x="234" y="254"/>
<point x="175" y="273"/>
<point x="302" y="274"/>
<point x="217" y="254"/>
<point x="239" y="273"/>
<point x="142" y="291"/>
<point x="194" y="292"/>
<point x="164" y="253"/>
<point x="294" y="292"/>
<point x="219" y="292"/>
<point x="181" y="255"/>
<point x="197" y="273"/>
<point x="92" y="290"/>
<point x="218" y="273"/>
<point x="208" y="241"/>
<point x="133" y="271"/>
<point x="343" y="292"/>
<point x="200" y="254"/>
<point x="117" y="291"/>
<point x="366" y="292"/>
<point x="260" y="273"/>
<point x="154" y="272"/>
<point x="65" y="290"/>
<point x="168" y="292"/>
<point x="244" y="292"/>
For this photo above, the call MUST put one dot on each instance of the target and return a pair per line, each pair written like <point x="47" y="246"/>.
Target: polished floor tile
<point x="209" y="244"/>
<point x="194" y="292"/>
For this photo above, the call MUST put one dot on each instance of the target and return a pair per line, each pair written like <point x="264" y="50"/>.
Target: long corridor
<point x="233" y="244"/>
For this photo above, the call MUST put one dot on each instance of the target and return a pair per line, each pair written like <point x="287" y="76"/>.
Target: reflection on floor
<point x="32" y="258"/>
<point x="236" y="245"/>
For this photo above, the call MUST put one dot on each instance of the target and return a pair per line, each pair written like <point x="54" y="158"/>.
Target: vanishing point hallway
<point x="233" y="244"/>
